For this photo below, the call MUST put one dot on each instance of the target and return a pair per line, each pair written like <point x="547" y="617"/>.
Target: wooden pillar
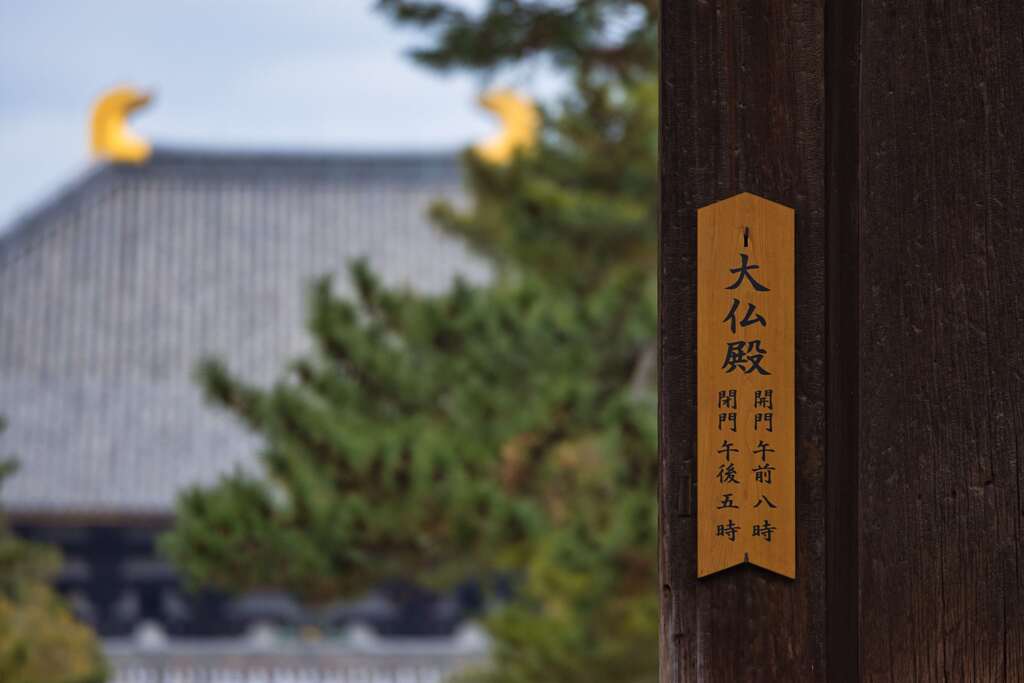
<point x="896" y="132"/>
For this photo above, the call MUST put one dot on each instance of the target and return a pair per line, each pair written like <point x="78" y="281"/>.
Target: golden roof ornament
<point x="520" y="126"/>
<point x="110" y="136"/>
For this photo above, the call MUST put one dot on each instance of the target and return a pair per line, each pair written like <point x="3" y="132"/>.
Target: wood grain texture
<point x="924" y="153"/>
<point x="941" y="332"/>
<point x="842" y="88"/>
<point x="746" y="494"/>
<point x="742" y="109"/>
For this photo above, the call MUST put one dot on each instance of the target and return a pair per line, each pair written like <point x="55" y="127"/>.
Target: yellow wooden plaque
<point x="746" y="497"/>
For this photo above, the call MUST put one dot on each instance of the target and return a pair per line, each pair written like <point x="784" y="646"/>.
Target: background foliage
<point x="508" y="430"/>
<point x="40" y="640"/>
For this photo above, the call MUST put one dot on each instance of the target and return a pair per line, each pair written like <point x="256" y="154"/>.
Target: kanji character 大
<point x="744" y="274"/>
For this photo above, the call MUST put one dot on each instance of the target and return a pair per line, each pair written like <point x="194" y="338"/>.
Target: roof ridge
<point x="164" y="154"/>
<point x="250" y="161"/>
<point x="80" y="186"/>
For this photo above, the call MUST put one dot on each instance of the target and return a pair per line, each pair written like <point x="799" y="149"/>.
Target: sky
<point x="227" y="74"/>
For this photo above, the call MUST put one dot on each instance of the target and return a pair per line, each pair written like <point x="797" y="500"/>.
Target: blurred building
<point x="114" y="289"/>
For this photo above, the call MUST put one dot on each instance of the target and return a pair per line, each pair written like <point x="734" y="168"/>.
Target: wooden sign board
<point x="745" y="386"/>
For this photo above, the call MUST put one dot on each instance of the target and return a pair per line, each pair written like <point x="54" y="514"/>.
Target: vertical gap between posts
<point x="842" y="90"/>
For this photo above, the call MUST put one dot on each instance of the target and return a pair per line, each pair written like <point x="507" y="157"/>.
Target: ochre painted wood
<point x="746" y="497"/>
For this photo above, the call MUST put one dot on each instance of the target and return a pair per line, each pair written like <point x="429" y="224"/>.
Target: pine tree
<point x="506" y="430"/>
<point x="40" y="640"/>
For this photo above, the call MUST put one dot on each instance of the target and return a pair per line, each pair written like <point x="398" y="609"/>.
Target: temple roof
<point x="111" y="292"/>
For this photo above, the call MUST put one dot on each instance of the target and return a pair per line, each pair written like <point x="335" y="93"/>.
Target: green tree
<point x="40" y="640"/>
<point x="502" y="430"/>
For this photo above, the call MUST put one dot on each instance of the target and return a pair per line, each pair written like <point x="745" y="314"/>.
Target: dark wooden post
<point x="896" y="132"/>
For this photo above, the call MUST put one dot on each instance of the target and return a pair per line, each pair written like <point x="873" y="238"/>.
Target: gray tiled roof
<point x="109" y="295"/>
